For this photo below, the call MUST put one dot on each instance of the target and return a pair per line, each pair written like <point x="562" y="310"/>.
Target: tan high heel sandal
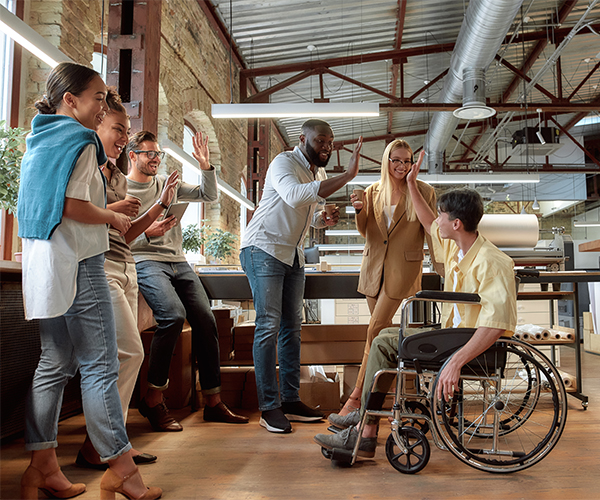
<point x="34" y="479"/>
<point x="111" y="483"/>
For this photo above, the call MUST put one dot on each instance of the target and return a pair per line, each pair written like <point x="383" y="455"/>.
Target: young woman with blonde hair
<point x="392" y="260"/>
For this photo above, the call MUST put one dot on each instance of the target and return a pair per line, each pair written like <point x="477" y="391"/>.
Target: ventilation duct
<point x="474" y="106"/>
<point x="483" y="30"/>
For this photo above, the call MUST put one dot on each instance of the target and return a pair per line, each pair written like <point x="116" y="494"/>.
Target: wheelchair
<point x="508" y="413"/>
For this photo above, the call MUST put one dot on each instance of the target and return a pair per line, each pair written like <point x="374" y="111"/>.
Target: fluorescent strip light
<point x="181" y="156"/>
<point x="341" y="248"/>
<point x="350" y="210"/>
<point x="291" y="110"/>
<point x="30" y="39"/>
<point x="465" y="178"/>
<point x="342" y="232"/>
<point x="586" y="223"/>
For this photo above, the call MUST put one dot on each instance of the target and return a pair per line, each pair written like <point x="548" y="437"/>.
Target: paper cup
<point x="329" y="208"/>
<point x="359" y="193"/>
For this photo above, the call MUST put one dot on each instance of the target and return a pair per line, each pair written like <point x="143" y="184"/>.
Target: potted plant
<point x="219" y="244"/>
<point x="11" y="142"/>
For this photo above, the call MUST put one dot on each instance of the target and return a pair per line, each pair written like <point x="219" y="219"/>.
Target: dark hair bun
<point x="44" y="107"/>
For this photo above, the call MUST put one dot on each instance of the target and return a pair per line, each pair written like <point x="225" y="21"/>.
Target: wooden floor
<point x="210" y="460"/>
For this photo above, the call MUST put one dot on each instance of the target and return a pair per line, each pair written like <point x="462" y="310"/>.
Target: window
<point x="195" y="211"/>
<point x="6" y="46"/>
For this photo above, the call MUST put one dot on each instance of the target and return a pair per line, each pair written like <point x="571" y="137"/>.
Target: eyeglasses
<point x="406" y="163"/>
<point x="152" y="154"/>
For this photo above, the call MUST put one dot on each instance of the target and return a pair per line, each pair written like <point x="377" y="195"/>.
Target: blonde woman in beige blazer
<point x="392" y="260"/>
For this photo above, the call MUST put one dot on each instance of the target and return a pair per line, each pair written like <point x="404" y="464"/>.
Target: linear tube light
<point x="181" y="156"/>
<point x="586" y="223"/>
<point x="342" y="232"/>
<point x="341" y="248"/>
<point x="467" y="178"/>
<point x="30" y="39"/>
<point x="291" y="110"/>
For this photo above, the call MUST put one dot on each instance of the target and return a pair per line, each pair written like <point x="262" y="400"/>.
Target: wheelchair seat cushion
<point x="433" y="348"/>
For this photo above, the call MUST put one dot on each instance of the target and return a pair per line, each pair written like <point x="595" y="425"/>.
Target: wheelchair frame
<point x="501" y="420"/>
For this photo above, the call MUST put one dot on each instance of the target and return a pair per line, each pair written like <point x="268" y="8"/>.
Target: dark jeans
<point x="174" y="292"/>
<point x="277" y="290"/>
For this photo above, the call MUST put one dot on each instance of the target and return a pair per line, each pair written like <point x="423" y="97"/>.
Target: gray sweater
<point x="167" y="248"/>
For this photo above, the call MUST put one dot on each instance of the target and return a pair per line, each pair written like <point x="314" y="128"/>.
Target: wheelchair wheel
<point x="418" y="408"/>
<point x="510" y="410"/>
<point x="417" y="446"/>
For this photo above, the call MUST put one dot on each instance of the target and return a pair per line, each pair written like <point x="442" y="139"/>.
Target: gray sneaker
<point x="346" y="421"/>
<point x="346" y="440"/>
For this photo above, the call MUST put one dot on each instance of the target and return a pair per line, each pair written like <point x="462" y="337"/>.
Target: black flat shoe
<point x="81" y="461"/>
<point x="144" y="458"/>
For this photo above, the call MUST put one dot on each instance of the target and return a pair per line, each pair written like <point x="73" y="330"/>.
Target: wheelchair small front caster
<point x="418" y="450"/>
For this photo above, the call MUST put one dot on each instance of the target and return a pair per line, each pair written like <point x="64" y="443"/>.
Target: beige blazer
<point x="392" y="256"/>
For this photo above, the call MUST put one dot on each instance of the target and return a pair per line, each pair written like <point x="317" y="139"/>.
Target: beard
<point x="314" y="157"/>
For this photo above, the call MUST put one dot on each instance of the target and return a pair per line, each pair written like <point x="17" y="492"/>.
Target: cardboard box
<point x="321" y="394"/>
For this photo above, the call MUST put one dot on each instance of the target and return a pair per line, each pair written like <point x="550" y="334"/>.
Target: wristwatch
<point x="159" y="202"/>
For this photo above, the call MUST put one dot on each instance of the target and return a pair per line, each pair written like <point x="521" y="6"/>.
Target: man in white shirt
<point x="272" y="257"/>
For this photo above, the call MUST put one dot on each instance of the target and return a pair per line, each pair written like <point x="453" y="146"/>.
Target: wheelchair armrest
<point x="448" y="296"/>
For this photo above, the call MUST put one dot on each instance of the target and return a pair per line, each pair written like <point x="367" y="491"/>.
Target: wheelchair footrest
<point x="341" y="455"/>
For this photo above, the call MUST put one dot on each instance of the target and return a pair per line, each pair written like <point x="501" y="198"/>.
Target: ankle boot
<point x="34" y="479"/>
<point x="112" y="483"/>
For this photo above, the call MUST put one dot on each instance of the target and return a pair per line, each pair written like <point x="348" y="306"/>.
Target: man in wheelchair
<point x="472" y="265"/>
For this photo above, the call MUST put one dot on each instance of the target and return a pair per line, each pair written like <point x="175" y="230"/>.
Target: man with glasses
<point x="169" y="285"/>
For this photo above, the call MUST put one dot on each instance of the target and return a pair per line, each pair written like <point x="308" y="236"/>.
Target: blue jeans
<point x="277" y="290"/>
<point x="174" y="293"/>
<point x="85" y="338"/>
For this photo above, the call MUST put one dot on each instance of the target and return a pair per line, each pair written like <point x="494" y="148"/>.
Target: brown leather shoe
<point x="159" y="417"/>
<point x="220" y="413"/>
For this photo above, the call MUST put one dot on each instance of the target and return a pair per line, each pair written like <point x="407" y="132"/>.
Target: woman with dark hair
<point x="393" y="257"/>
<point x="120" y="266"/>
<point x="63" y="223"/>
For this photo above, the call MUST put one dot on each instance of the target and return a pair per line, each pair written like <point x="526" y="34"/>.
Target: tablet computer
<point x="176" y="209"/>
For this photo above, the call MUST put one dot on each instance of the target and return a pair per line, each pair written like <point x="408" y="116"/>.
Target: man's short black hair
<point x="136" y="139"/>
<point x="314" y="124"/>
<point x="463" y="204"/>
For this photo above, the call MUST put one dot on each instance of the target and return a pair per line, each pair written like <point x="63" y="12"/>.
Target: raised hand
<point x="414" y="171"/>
<point x="354" y="160"/>
<point x="169" y="188"/>
<point x="201" y="153"/>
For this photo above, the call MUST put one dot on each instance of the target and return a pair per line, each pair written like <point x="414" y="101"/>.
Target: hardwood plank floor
<point x="220" y="461"/>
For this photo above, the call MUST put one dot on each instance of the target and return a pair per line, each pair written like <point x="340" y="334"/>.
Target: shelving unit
<point x="575" y="278"/>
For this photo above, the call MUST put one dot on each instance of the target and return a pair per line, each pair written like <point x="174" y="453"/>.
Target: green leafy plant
<point x="217" y="243"/>
<point x="11" y="140"/>
<point x="193" y="238"/>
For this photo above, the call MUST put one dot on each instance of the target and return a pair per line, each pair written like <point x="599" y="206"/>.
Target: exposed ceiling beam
<point x="519" y="73"/>
<point x="397" y="66"/>
<point x="535" y="53"/>
<point x="547" y="107"/>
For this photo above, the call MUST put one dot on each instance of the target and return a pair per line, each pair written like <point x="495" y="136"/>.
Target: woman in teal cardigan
<point x="63" y="223"/>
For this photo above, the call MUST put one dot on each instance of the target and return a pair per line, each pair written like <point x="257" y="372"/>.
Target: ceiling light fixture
<point x="181" y="156"/>
<point x="474" y="107"/>
<point x="342" y="232"/>
<point x="291" y="110"/>
<point x="465" y="178"/>
<point x="30" y="39"/>
<point x="586" y="223"/>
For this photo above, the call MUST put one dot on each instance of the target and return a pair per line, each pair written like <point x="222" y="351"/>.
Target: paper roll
<point x="569" y="380"/>
<point x="510" y="230"/>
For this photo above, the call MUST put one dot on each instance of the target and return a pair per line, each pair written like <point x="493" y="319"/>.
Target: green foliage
<point x="11" y="155"/>
<point x="217" y="243"/>
<point x="193" y="238"/>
